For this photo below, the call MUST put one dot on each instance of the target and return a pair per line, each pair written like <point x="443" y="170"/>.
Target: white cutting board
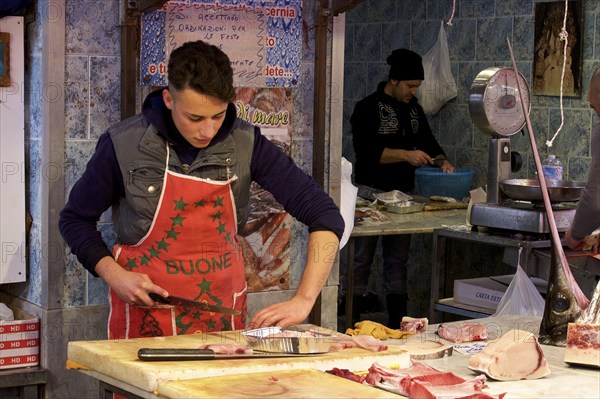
<point x="118" y="359"/>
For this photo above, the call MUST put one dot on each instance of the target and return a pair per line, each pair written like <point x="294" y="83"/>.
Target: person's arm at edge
<point x="588" y="208"/>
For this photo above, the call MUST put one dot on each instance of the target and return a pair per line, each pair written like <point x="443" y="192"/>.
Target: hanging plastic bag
<point x="6" y="314"/>
<point x="521" y="298"/>
<point x="347" y="201"/>
<point x="439" y="86"/>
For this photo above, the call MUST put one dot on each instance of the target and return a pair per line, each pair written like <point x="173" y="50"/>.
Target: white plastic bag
<point x="521" y="297"/>
<point x="439" y="86"/>
<point x="347" y="201"/>
<point x="6" y="314"/>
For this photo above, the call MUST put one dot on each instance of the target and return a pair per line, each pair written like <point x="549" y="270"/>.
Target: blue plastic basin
<point x="432" y="181"/>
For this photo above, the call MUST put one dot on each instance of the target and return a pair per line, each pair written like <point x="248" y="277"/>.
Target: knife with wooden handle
<point x="176" y="354"/>
<point x="189" y="303"/>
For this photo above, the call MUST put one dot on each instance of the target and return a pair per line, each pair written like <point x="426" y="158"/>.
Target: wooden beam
<point x="130" y="21"/>
<point x="51" y="190"/>
<point x="322" y="13"/>
<point x="149" y="5"/>
<point x="322" y="19"/>
<point x="130" y="47"/>
<point x="340" y="6"/>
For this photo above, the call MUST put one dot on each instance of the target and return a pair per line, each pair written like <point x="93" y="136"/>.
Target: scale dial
<point x="495" y="103"/>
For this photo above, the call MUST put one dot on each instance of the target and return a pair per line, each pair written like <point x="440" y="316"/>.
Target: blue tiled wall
<point x="92" y="104"/>
<point x="477" y="40"/>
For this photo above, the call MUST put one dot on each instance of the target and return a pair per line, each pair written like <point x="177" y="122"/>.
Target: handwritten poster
<point x="263" y="39"/>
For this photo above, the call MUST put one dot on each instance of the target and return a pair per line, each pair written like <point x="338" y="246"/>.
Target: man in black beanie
<point x="391" y="138"/>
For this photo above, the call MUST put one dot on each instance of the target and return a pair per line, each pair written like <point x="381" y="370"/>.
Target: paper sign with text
<point x="263" y="39"/>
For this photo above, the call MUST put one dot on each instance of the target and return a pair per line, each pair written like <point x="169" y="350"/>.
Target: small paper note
<point x="469" y="348"/>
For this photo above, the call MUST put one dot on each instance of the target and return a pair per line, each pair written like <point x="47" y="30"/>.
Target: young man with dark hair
<point x="177" y="177"/>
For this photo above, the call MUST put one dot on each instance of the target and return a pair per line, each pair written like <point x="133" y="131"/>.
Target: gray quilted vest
<point x="141" y="153"/>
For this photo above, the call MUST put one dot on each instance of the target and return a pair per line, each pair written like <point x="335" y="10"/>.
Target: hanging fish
<point x="565" y="301"/>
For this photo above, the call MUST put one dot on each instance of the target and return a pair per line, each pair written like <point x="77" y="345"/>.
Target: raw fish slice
<point x="471" y="389"/>
<point x="344" y="341"/>
<point x="517" y="355"/>
<point x="385" y="378"/>
<point x="463" y="332"/>
<point x="415" y="325"/>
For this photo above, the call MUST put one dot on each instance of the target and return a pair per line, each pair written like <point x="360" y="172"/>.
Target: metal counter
<point x="440" y="272"/>
<point x="410" y="223"/>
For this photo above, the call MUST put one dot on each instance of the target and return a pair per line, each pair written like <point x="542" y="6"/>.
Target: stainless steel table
<point x="409" y="223"/>
<point x="440" y="268"/>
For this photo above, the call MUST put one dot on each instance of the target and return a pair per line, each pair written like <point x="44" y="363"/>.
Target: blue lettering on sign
<point x="230" y="36"/>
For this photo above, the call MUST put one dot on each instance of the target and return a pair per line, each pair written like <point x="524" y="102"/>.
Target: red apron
<point x="191" y="251"/>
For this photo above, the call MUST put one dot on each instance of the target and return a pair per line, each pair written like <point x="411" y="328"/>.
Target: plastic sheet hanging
<point x="347" y="200"/>
<point x="439" y="86"/>
<point x="521" y="298"/>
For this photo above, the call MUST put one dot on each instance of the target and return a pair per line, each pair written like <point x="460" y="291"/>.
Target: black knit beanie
<point x="405" y="65"/>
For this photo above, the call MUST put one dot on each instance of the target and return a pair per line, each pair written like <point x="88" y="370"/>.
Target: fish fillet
<point x="517" y="355"/>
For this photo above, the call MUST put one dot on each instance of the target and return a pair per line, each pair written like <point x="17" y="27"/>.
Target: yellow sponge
<point x="377" y="330"/>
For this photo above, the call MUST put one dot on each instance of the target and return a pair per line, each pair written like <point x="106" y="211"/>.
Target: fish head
<point x="561" y="304"/>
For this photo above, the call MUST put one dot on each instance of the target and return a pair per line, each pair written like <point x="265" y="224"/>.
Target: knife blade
<point x="174" y="354"/>
<point x="189" y="303"/>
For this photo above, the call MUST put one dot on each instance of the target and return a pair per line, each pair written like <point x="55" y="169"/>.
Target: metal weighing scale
<point x="495" y="108"/>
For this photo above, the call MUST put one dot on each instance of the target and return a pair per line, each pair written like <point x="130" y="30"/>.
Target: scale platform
<point x="521" y="216"/>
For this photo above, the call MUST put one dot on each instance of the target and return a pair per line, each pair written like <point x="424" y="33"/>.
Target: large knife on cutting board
<point x="189" y="303"/>
<point x="176" y="354"/>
